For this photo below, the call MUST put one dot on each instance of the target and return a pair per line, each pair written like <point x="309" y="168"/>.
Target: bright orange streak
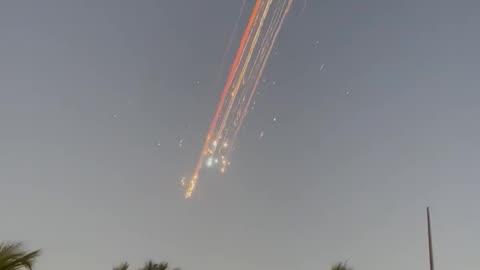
<point x="245" y="65"/>
<point x="243" y="70"/>
<point x="262" y="67"/>
<point x="243" y="41"/>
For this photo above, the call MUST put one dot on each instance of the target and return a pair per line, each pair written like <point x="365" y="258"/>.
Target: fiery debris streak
<point x="245" y="73"/>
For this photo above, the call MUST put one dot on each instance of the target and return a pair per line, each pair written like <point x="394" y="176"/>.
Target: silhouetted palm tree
<point x="341" y="266"/>
<point x="149" y="265"/>
<point x="122" y="266"/>
<point x="13" y="256"/>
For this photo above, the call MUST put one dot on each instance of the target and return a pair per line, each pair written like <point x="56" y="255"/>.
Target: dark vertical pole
<point x="430" y="249"/>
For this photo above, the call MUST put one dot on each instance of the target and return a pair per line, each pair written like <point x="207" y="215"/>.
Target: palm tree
<point x="341" y="266"/>
<point x="149" y="265"/>
<point x="122" y="266"/>
<point x="13" y="256"/>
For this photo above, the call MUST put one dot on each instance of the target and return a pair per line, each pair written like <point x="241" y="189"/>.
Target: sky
<point x="376" y="106"/>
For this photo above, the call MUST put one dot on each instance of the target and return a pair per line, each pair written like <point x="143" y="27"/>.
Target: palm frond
<point x="122" y="266"/>
<point x="341" y="266"/>
<point x="14" y="257"/>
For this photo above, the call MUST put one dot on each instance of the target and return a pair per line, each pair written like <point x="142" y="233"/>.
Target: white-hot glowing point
<point x="209" y="162"/>
<point x="182" y="181"/>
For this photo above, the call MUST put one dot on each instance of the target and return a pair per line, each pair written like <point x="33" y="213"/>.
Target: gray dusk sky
<point x="96" y="95"/>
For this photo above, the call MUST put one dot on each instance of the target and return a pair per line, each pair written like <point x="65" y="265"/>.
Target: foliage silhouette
<point x="341" y="266"/>
<point x="13" y="256"/>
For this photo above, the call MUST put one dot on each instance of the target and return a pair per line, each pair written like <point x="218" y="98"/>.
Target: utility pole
<point x="430" y="248"/>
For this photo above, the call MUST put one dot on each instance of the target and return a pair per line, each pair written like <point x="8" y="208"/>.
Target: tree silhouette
<point x="149" y="265"/>
<point x="13" y="256"/>
<point x="122" y="266"/>
<point x="341" y="266"/>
